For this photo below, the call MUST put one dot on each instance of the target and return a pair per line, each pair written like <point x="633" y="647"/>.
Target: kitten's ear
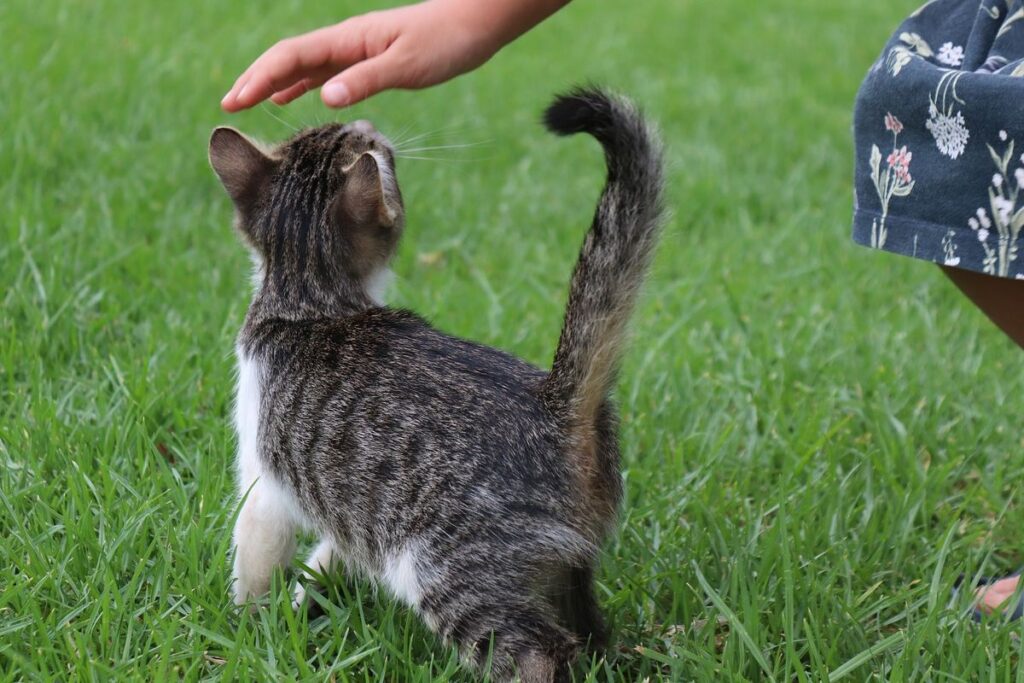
<point x="362" y="198"/>
<point x="243" y="168"/>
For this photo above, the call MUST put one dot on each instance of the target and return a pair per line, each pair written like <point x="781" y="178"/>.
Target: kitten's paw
<point x="244" y="593"/>
<point x="298" y="597"/>
<point x="302" y="602"/>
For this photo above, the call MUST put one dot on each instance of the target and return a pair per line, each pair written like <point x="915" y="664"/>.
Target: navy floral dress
<point x="939" y="134"/>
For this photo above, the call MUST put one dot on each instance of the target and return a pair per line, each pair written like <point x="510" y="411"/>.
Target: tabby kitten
<point x="473" y="485"/>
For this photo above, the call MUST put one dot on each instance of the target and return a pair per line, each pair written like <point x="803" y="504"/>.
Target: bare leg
<point x="321" y="560"/>
<point x="1002" y="300"/>
<point x="264" y="541"/>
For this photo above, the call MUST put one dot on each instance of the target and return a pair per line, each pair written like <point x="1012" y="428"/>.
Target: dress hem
<point x="957" y="247"/>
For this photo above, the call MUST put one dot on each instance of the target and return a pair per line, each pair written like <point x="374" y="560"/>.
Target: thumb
<point x="360" y="81"/>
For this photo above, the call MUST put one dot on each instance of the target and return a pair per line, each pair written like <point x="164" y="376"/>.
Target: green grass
<point x="817" y="438"/>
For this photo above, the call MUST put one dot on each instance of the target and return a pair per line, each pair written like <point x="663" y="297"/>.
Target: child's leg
<point x="1002" y="300"/>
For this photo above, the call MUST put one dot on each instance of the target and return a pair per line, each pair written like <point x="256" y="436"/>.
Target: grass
<point x="817" y="438"/>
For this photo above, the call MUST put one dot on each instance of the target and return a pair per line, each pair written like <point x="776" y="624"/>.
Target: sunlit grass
<point x="818" y="439"/>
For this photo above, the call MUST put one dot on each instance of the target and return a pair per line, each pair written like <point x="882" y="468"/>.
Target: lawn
<point x="818" y="439"/>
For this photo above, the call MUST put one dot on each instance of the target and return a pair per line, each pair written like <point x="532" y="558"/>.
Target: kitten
<point x="473" y="485"/>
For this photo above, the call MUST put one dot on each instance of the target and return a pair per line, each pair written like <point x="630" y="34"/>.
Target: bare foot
<point x="993" y="597"/>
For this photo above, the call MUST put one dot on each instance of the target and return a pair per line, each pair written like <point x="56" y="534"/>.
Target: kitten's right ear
<point x="243" y="168"/>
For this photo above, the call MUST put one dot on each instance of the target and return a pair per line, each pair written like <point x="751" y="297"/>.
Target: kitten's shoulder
<point x="390" y="338"/>
<point x="374" y="325"/>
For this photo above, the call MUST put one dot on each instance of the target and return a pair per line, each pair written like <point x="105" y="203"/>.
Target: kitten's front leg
<point x="321" y="560"/>
<point x="264" y="540"/>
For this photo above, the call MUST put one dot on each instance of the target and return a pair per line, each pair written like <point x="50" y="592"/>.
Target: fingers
<point x="363" y="80"/>
<point x="297" y="90"/>
<point x="276" y="70"/>
<point x="294" y="92"/>
<point x="314" y="56"/>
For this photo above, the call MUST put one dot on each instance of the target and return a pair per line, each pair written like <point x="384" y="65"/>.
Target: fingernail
<point x="336" y="94"/>
<point x="241" y="92"/>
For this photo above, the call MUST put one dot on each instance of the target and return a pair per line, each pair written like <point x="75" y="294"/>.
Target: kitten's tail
<point x="616" y="253"/>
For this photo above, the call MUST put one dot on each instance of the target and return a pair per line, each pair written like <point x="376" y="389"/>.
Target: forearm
<point x="502" y="20"/>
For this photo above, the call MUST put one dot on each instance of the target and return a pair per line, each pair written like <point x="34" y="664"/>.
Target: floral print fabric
<point x="939" y="135"/>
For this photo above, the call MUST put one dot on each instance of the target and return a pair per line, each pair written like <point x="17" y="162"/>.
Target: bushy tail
<point x="616" y="253"/>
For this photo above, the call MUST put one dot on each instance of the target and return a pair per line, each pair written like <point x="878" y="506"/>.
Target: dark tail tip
<point x="581" y="110"/>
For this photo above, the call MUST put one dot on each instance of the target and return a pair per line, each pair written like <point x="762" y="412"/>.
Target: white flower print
<point x="950" y="54"/>
<point x="1002" y="135"/>
<point x="1001" y="207"/>
<point x="947" y="127"/>
<point x="916" y="43"/>
<point x="900" y="56"/>
<point x="976" y="226"/>
<point x="1006" y="220"/>
<point x="892" y="181"/>
<point x="949" y="250"/>
<point x="950" y="132"/>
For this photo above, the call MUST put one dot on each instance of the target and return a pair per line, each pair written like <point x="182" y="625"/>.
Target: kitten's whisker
<point x="420" y="158"/>
<point x="453" y="129"/>
<point x="324" y="118"/>
<point x="397" y="137"/>
<point x="432" y="148"/>
<point x="406" y="135"/>
<point x="418" y="136"/>
<point x="264" y="107"/>
<point x="402" y="156"/>
<point x="411" y="139"/>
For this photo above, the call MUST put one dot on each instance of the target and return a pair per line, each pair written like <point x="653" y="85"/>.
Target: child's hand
<point x="406" y="47"/>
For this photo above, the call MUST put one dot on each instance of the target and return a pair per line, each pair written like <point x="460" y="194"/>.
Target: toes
<point x="994" y="596"/>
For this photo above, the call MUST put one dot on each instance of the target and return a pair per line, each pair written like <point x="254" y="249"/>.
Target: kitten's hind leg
<point x="520" y="638"/>
<point x="321" y="560"/>
<point x="541" y="650"/>
<point x="264" y="540"/>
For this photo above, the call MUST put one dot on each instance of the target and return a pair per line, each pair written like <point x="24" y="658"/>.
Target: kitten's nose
<point x="363" y="126"/>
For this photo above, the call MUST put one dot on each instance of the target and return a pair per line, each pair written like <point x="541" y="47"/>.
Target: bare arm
<point x="409" y="47"/>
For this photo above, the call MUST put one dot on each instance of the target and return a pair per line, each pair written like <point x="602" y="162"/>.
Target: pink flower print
<point x="893" y="124"/>
<point x="899" y="162"/>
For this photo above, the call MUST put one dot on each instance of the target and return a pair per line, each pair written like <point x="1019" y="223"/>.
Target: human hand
<point x="409" y="47"/>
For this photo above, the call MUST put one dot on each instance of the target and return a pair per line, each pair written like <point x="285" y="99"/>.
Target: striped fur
<point x="459" y="477"/>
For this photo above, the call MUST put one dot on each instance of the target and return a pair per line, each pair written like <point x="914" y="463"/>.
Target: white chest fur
<point x="247" y="421"/>
<point x="251" y="467"/>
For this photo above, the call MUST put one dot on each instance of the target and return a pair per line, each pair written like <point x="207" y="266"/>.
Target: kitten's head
<point x="322" y="211"/>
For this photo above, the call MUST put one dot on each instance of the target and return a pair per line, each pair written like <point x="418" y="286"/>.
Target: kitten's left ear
<point x="243" y="168"/>
<point x="362" y="199"/>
